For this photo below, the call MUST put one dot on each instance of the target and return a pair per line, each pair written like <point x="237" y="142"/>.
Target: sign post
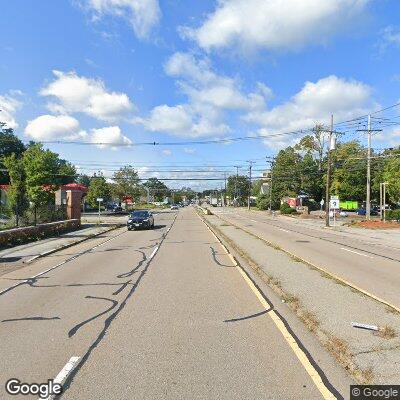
<point x="334" y="205"/>
<point x="100" y="200"/>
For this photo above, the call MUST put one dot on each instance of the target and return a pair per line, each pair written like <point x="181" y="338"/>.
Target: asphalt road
<point x="158" y="314"/>
<point x="369" y="264"/>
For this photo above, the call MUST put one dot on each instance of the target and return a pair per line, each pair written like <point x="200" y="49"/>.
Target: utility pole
<point x="328" y="176"/>
<point x="368" y="205"/>
<point x="248" y="197"/>
<point x="237" y="177"/>
<point x="270" y="185"/>
<point x="369" y="132"/>
<point x="225" y="189"/>
<point x="383" y="200"/>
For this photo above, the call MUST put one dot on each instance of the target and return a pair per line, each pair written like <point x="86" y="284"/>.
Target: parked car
<point x="140" y="219"/>
<point x="363" y="211"/>
<point x="174" y="207"/>
<point x="343" y="214"/>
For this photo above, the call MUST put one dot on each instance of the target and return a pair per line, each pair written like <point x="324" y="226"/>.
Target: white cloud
<point x="390" y="36"/>
<point x="203" y="86"/>
<point x="168" y="119"/>
<point x="74" y="93"/>
<point x="64" y="127"/>
<point x="188" y="150"/>
<point x="143" y="15"/>
<point x="110" y="136"/>
<point x="274" y="24"/>
<point x="315" y="102"/>
<point x="209" y="96"/>
<point x="167" y="152"/>
<point x="9" y="106"/>
<point x="50" y="127"/>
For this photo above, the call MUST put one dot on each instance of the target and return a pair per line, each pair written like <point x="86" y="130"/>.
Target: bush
<point x="263" y="202"/>
<point x="393" y="215"/>
<point x="286" y="209"/>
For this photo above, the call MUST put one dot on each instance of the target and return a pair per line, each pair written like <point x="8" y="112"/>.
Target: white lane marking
<point x="154" y="252"/>
<point x="253" y="220"/>
<point x="63" y="374"/>
<point x="355" y="252"/>
<point x="284" y="230"/>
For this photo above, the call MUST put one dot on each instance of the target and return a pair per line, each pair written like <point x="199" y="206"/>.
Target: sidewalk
<point x="13" y="258"/>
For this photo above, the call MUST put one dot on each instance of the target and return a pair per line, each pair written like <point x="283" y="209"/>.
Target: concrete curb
<point x="66" y="246"/>
<point x="330" y="274"/>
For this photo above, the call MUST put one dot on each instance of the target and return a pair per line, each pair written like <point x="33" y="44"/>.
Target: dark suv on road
<point x="140" y="219"/>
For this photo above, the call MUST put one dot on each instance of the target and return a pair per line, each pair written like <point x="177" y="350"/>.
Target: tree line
<point x="35" y="173"/>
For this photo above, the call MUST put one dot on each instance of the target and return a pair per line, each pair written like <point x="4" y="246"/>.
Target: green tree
<point x="311" y="177"/>
<point x="41" y="169"/>
<point x="9" y="144"/>
<point x="286" y="175"/>
<point x="157" y="188"/>
<point x="350" y="171"/>
<point x="126" y="183"/>
<point x="83" y="180"/>
<point x="256" y="187"/>
<point x="66" y="172"/>
<point x="99" y="188"/>
<point x="17" y="197"/>
<point x="391" y="175"/>
<point x="238" y="188"/>
<point x="315" y="144"/>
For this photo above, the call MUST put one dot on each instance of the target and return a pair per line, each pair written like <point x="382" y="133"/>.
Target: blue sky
<point x="131" y="71"/>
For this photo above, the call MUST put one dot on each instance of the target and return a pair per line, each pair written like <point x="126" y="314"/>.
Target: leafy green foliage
<point x="263" y="202"/>
<point x="391" y="175"/>
<point x="241" y="185"/>
<point x="157" y="189"/>
<point x="286" y="209"/>
<point x="17" y="196"/>
<point x="286" y="173"/>
<point x="9" y="144"/>
<point x="350" y="171"/>
<point x="42" y="171"/>
<point x="67" y="172"/>
<point x="99" y="188"/>
<point x="393" y="215"/>
<point x="83" y="180"/>
<point x="126" y="183"/>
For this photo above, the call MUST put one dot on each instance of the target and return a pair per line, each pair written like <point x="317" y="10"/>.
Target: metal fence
<point x="33" y="216"/>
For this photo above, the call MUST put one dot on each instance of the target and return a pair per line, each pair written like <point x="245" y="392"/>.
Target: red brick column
<point x="74" y="198"/>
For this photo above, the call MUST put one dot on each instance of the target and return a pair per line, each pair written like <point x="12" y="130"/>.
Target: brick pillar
<point x="74" y="198"/>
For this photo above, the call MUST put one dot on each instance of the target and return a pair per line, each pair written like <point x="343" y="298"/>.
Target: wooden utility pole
<point x="248" y="197"/>
<point x="368" y="199"/>
<point x="235" y="194"/>
<point x="328" y="175"/>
